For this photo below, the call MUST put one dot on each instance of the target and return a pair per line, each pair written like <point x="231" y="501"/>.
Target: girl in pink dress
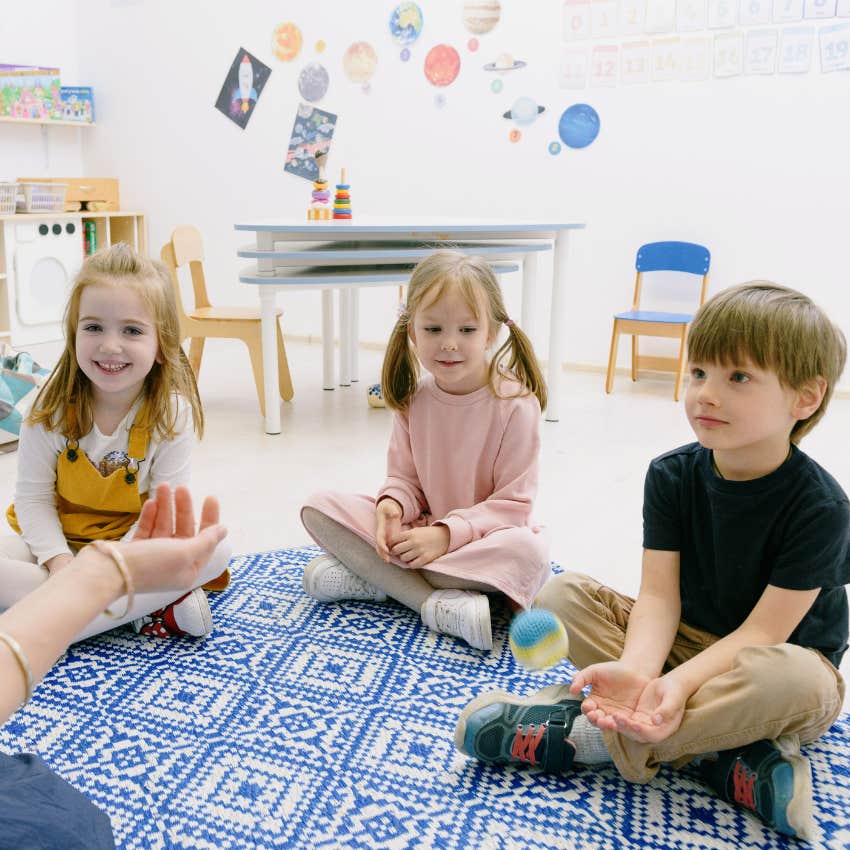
<point x="453" y="521"/>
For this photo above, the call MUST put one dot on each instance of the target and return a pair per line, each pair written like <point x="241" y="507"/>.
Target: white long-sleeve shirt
<point x="166" y="461"/>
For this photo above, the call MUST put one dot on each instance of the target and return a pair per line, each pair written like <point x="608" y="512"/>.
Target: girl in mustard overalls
<point x="116" y="418"/>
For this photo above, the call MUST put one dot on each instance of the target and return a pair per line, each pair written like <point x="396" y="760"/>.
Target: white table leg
<point x="529" y="295"/>
<point x="557" y="324"/>
<point x="328" y="339"/>
<point x="268" y="322"/>
<point x="344" y="336"/>
<point x="355" y="334"/>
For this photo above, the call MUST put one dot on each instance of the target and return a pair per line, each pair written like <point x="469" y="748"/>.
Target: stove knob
<point x="57" y="229"/>
<point x="70" y="228"/>
<point x="43" y="229"/>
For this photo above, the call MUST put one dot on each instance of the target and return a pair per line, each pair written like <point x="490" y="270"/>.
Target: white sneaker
<point x="460" y="613"/>
<point x="327" y="579"/>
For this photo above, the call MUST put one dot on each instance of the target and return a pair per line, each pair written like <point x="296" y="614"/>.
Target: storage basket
<point x="42" y="197"/>
<point x="8" y="191"/>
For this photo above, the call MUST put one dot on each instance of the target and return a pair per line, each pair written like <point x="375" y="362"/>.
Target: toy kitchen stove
<point x="43" y="253"/>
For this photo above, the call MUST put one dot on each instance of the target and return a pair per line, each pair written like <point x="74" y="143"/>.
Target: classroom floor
<point x="592" y="469"/>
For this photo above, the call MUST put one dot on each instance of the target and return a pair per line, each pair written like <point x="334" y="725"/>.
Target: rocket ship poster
<point x="242" y="88"/>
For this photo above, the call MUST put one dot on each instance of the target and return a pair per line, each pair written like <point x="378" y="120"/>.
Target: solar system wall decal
<point x="403" y="28"/>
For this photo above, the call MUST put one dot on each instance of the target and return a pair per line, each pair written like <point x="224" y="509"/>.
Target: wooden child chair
<point x="659" y="256"/>
<point x="186" y="246"/>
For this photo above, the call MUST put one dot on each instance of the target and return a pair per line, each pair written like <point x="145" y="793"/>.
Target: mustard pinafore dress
<point x="93" y="506"/>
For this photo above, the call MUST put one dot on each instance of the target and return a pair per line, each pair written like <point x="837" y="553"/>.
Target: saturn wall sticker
<point x="504" y="63"/>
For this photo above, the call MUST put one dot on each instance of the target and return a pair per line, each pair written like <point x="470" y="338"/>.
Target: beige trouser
<point x="770" y="690"/>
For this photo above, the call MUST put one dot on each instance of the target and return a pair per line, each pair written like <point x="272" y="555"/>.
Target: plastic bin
<point x="42" y="197"/>
<point x="8" y="192"/>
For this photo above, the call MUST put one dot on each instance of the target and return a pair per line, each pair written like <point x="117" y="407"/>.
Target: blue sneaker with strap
<point x="501" y="728"/>
<point x="770" y="778"/>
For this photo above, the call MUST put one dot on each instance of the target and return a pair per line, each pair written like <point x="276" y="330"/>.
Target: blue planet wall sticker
<point x="579" y="125"/>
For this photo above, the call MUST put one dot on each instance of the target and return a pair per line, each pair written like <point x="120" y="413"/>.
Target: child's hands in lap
<point x="419" y="546"/>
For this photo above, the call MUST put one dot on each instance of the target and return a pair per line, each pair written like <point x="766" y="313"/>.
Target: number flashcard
<point x="760" y="55"/>
<point x="723" y="14"/>
<point x="634" y="64"/>
<point x="576" y="20"/>
<point x="633" y="16"/>
<point x="820" y="9"/>
<point x="604" y="65"/>
<point x="694" y="58"/>
<point x="835" y="48"/>
<point x="787" y="10"/>
<point x="755" y="12"/>
<point x="603" y="19"/>
<point x="660" y="15"/>
<point x="664" y="51"/>
<point x="690" y="15"/>
<point x="795" y="50"/>
<point x="728" y="54"/>
<point x="573" y="68"/>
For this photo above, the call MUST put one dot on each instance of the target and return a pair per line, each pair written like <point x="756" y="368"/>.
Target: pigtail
<point x="400" y="372"/>
<point x="516" y="357"/>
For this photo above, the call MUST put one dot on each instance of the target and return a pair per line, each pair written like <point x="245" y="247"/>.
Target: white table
<point x="369" y="251"/>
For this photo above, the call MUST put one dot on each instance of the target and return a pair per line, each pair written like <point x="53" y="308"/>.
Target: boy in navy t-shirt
<point x="729" y="656"/>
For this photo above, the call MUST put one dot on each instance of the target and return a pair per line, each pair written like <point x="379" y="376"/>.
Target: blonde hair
<point x="65" y="402"/>
<point x="776" y="328"/>
<point x="471" y="276"/>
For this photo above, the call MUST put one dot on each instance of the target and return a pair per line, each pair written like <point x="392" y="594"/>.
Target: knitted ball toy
<point x="538" y="639"/>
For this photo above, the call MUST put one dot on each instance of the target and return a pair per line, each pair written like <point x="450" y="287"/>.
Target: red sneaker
<point x="188" y="615"/>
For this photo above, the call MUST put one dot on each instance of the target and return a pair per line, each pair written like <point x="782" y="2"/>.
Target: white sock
<point x="590" y="746"/>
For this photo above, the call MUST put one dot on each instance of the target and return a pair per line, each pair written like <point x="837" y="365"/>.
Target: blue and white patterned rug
<point x="304" y="725"/>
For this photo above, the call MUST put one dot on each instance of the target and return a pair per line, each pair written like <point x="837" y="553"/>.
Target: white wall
<point x="42" y="33"/>
<point x="753" y="167"/>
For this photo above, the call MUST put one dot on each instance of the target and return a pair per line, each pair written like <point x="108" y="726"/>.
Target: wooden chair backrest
<point x="188" y="247"/>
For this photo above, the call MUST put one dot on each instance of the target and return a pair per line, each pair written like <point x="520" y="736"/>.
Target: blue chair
<point x="653" y="257"/>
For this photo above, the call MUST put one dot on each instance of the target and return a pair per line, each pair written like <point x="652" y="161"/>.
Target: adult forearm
<point x="653" y="623"/>
<point x="45" y="621"/>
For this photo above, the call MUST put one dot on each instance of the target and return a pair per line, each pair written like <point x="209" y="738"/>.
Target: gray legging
<point x="410" y="587"/>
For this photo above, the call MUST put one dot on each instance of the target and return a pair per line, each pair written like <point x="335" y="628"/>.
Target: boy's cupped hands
<point x="622" y="700"/>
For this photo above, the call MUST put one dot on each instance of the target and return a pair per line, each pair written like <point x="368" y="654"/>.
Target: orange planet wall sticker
<point x="442" y="65"/>
<point x="359" y="62"/>
<point x="287" y="41"/>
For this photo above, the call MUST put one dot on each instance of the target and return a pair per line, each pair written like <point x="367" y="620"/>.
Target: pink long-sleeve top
<point x="470" y="461"/>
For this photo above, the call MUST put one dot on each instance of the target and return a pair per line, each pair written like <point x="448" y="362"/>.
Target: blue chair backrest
<point x="674" y="257"/>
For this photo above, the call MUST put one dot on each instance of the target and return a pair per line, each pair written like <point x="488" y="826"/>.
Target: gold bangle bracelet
<point x="111" y="551"/>
<point x="18" y="652"/>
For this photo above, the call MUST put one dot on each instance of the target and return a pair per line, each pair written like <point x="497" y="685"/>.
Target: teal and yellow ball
<point x="538" y="639"/>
